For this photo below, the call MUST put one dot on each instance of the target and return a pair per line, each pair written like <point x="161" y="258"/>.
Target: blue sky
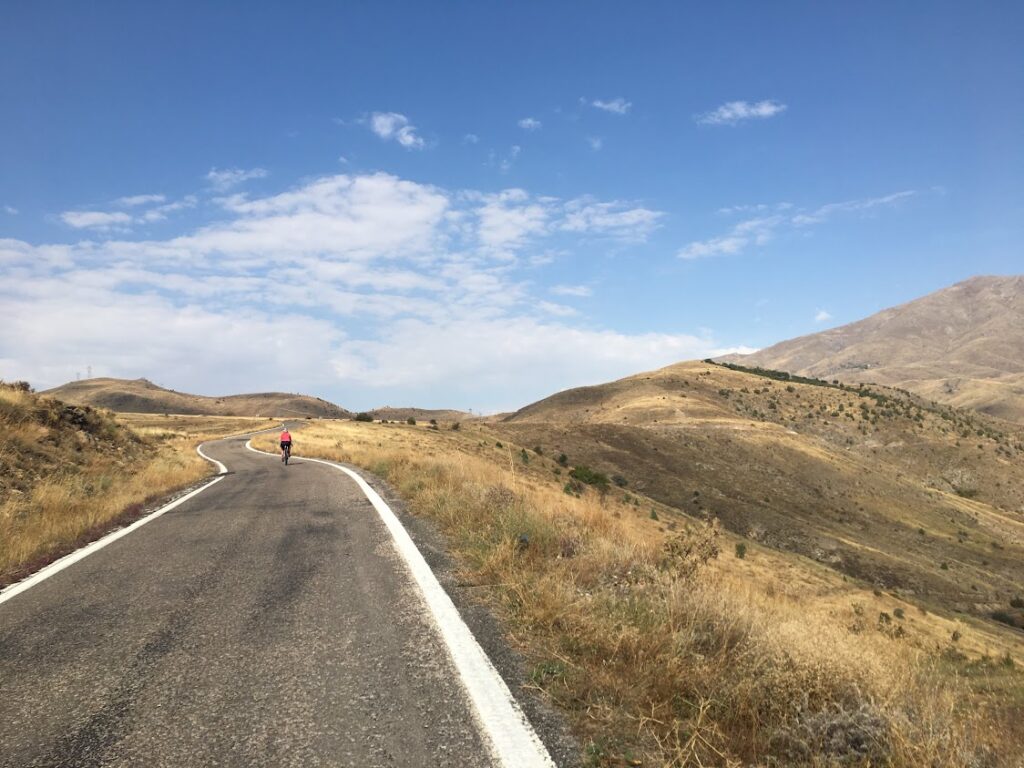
<point x="476" y="204"/>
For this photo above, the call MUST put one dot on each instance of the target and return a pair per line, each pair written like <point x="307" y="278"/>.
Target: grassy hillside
<point x="962" y="345"/>
<point x="670" y="641"/>
<point x="926" y="501"/>
<point x="143" y="396"/>
<point x="68" y="473"/>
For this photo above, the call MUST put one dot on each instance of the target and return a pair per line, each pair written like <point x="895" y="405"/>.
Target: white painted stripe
<point x="513" y="741"/>
<point x="70" y="559"/>
<point x="221" y="469"/>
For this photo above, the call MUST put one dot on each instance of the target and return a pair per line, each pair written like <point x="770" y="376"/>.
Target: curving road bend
<point x="265" y="622"/>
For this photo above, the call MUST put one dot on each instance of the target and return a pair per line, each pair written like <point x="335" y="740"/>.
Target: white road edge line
<point x="70" y="559"/>
<point x="513" y="741"/>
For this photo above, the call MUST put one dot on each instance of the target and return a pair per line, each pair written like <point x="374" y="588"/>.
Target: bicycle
<point x="286" y="453"/>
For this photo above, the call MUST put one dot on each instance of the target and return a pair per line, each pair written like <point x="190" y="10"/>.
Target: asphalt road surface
<point x="265" y="622"/>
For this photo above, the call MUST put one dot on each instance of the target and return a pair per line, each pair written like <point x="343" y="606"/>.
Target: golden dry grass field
<point x="665" y="646"/>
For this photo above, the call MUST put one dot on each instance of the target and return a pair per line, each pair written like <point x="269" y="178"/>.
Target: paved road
<point x="266" y="621"/>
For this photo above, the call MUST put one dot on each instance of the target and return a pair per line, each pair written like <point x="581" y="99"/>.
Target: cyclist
<point x="286" y="444"/>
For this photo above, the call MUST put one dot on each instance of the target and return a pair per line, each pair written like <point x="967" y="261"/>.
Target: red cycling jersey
<point x="286" y="437"/>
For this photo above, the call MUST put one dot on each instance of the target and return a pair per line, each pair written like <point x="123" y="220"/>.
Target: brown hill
<point x="143" y="396"/>
<point x="878" y="484"/>
<point x="963" y="345"/>
<point x="387" y="413"/>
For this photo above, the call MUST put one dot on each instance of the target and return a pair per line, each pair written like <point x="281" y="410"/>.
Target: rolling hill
<point x="387" y="413"/>
<point x="143" y="396"/>
<point x="962" y="345"/>
<point x="881" y="485"/>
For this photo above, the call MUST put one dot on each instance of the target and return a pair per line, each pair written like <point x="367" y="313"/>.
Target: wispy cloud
<point x="616" y="219"/>
<point x="580" y="291"/>
<point x="134" y="200"/>
<point x="101" y="220"/>
<point x="470" y="138"/>
<point x="595" y="142"/>
<point x="225" y="179"/>
<point x="822" y="316"/>
<point x="395" y="126"/>
<point x="10" y="209"/>
<point x="826" y="211"/>
<point x="716" y="246"/>
<point x="733" y="112"/>
<point x="617" y="106"/>
<point x="759" y="230"/>
<point x="530" y="124"/>
<point x="159" y="213"/>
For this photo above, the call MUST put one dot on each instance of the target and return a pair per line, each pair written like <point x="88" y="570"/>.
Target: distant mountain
<point x="387" y="413"/>
<point x="143" y="396"/>
<point x="962" y="345"/>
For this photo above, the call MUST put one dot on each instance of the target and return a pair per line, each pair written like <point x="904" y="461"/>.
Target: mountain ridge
<point x="962" y="345"/>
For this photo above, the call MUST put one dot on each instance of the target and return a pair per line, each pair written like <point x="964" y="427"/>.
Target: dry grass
<point x="662" y="654"/>
<point x="69" y="474"/>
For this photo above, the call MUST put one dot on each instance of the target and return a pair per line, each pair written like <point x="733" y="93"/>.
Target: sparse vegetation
<point x="663" y="654"/>
<point x="71" y="472"/>
<point x="591" y="477"/>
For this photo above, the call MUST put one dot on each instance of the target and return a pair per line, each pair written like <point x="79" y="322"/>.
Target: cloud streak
<point x="733" y="112"/>
<point x="227" y="178"/>
<point x="760" y="230"/>
<point x="617" y="106"/>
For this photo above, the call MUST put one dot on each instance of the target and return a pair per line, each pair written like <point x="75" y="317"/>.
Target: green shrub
<point x="589" y="476"/>
<point x="363" y="416"/>
<point x="563" y="460"/>
<point x="741" y="550"/>
<point x="411" y="421"/>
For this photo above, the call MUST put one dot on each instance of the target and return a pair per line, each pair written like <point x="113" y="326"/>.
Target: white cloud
<point x="392" y="125"/>
<point x="617" y="219"/>
<point x="761" y="229"/>
<point x="824" y="212"/>
<point x="10" y="209"/>
<point x="756" y="208"/>
<point x="134" y="200"/>
<point x="343" y="160"/>
<point x="733" y="112"/>
<point x="507" y="219"/>
<point x="558" y="310"/>
<point x="595" y="142"/>
<point x="470" y="138"/>
<point x="530" y="124"/>
<point x="370" y="287"/>
<point x="821" y="316"/>
<point x="227" y="178"/>
<point x="716" y="246"/>
<point x="95" y="219"/>
<point x="618" y="106"/>
<point x="159" y="213"/>
<point x="581" y="291"/>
